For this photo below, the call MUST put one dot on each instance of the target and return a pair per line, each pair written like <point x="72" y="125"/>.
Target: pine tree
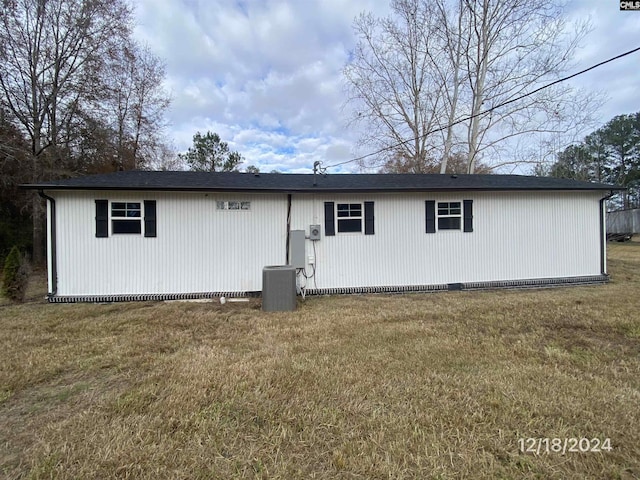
<point x="15" y="276"/>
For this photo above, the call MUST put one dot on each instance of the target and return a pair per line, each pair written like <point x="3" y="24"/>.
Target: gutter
<point x="603" y="233"/>
<point x="52" y="253"/>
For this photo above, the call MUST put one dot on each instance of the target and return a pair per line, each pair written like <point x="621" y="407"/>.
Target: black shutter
<point x="102" y="218"/>
<point x="149" y="218"/>
<point x="431" y="215"/>
<point x="368" y="218"/>
<point x="329" y="219"/>
<point x="468" y="215"/>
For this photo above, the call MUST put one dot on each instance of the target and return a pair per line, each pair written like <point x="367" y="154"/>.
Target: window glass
<point x="129" y="210"/>
<point x="449" y="208"/>
<point x="449" y="223"/>
<point x="349" y="210"/>
<point x="126" y="226"/>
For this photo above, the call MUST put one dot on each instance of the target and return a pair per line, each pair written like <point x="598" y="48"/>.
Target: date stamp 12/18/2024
<point x="562" y="446"/>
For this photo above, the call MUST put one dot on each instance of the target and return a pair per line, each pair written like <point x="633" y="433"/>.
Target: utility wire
<point x="484" y="112"/>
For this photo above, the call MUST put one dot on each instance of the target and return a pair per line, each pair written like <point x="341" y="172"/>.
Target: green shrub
<point x="15" y="276"/>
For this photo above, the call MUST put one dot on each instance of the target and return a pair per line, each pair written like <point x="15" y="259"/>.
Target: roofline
<point x="317" y="189"/>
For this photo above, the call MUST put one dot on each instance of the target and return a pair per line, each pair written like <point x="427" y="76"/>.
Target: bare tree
<point x="481" y="56"/>
<point x="50" y="52"/>
<point x="450" y="26"/>
<point x="456" y="163"/>
<point x="514" y="47"/>
<point x="393" y="82"/>
<point x="135" y="101"/>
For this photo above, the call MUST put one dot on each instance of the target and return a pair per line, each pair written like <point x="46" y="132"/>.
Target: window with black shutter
<point x="455" y="215"/>
<point x="369" y="217"/>
<point x="430" y="206"/>
<point x="468" y="215"/>
<point x="125" y="218"/>
<point x="349" y="218"/>
<point x="329" y="219"/>
<point x="149" y="218"/>
<point x="102" y="218"/>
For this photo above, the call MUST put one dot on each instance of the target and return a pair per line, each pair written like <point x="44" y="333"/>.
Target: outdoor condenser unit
<point x="279" y="288"/>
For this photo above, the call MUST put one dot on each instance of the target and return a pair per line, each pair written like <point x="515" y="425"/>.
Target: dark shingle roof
<point x="285" y="182"/>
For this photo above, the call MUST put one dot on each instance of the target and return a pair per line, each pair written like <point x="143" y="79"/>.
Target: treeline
<point x="611" y="154"/>
<point x="78" y="96"/>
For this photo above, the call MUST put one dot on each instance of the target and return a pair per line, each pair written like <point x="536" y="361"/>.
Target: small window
<point x="126" y="217"/>
<point x="449" y="215"/>
<point x="349" y="217"/>
<point x="233" y="205"/>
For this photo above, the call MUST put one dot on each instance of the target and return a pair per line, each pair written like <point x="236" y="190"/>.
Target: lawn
<point x="375" y="386"/>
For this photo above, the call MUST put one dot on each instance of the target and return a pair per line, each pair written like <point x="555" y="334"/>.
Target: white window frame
<point x="350" y="217"/>
<point x="449" y="215"/>
<point x="113" y="217"/>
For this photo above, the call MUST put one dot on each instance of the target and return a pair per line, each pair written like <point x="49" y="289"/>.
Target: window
<point x="233" y="205"/>
<point x="449" y="215"/>
<point x="126" y="217"/>
<point x="349" y="217"/>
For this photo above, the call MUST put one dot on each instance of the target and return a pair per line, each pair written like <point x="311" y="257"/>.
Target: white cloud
<point x="267" y="74"/>
<point x="613" y="32"/>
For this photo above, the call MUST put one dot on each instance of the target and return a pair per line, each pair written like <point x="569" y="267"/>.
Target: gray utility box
<point x="297" y="248"/>
<point x="279" y="288"/>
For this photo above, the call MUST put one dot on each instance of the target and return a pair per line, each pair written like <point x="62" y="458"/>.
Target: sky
<point x="266" y="75"/>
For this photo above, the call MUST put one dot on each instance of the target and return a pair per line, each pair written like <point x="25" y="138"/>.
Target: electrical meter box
<point x="314" y="232"/>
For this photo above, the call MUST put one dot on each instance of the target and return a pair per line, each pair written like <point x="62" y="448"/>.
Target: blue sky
<point x="267" y="74"/>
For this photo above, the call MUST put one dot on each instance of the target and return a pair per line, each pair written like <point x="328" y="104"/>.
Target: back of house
<point x="163" y="235"/>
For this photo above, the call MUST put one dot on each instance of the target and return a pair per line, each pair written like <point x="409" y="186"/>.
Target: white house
<point x="162" y="235"/>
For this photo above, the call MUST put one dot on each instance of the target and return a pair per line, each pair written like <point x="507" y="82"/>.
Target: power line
<point x="484" y="112"/>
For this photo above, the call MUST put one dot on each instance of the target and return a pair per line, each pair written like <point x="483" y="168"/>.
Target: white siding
<point x="516" y="236"/>
<point x="197" y="249"/>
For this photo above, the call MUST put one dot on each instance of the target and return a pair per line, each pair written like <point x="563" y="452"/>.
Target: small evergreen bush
<point x="15" y="276"/>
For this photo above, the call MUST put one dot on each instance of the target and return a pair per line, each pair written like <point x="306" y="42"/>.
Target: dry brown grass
<point x="405" y="386"/>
